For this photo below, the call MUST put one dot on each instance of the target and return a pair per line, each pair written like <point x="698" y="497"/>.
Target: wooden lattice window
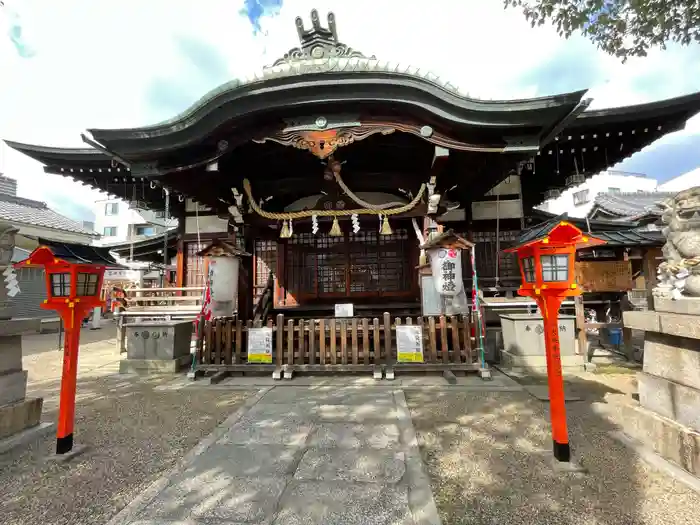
<point x="265" y="264"/>
<point x="487" y="251"/>
<point x="195" y="265"/>
<point x="356" y="264"/>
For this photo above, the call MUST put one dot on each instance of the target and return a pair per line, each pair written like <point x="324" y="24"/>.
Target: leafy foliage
<point x="623" y="28"/>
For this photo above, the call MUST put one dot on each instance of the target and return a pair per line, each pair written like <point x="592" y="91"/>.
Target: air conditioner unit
<point x="552" y="194"/>
<point x="138" y="205"/>
<point x="575" y="180"/>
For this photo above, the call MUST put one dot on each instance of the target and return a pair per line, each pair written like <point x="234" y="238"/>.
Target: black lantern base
<point x="64" y="444"/>
<point x="562" y="451"/>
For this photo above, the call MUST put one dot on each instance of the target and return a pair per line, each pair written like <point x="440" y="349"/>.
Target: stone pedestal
<point x="157" y="347"/>
<point x="17" y="414"/>
<point x="524" y="348"/>
<point x="19" y="417"/>
<point x="668" y="416"/>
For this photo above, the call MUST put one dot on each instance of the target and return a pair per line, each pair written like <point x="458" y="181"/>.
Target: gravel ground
<point x="134" y="433"/>
<point x="488" y="456"/>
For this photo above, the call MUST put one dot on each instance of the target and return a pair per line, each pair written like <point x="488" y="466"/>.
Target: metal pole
<point x="165" y="237"/>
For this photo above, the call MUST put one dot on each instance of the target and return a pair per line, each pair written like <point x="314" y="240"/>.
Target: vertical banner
<point x="260" y="345"/>
<point x="409" y="344"/>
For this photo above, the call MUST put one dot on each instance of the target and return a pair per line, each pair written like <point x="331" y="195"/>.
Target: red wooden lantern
<point x="74" y="275"/>
<point x="546" y="255"/>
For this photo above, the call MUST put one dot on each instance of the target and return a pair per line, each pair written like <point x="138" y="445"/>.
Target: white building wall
<point x="686" y="181"/>
<point x="125" y="222"/>
<point x="604" y="182"/>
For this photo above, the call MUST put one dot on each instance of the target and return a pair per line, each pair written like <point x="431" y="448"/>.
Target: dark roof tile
<point x="34" y="213"/>
<point x="631" y="204"/>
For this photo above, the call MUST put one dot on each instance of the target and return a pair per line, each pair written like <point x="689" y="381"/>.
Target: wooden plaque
<point x="604" y="276"/>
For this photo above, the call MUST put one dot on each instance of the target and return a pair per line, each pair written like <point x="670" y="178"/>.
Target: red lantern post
<point x="547" y="259"/>
<point x="73" y="284"/>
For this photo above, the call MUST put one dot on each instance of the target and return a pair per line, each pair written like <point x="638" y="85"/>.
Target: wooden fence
<point x="337" y="344"/>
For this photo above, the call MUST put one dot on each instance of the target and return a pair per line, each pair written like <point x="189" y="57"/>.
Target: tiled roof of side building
<point x="631" y="204"/>
<point x="34" y="213"/>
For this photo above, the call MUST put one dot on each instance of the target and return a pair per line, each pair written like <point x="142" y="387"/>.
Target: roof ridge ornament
<point x="318" y="42"/>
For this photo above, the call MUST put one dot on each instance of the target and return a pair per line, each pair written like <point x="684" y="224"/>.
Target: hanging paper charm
<point x="355" y="223"/>
<point x="11" y="283"/>
<point x="314" y="224"/>
<point x="446" y="265"/>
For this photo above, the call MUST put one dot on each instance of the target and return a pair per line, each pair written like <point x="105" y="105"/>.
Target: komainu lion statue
<point x="679" y="274"/>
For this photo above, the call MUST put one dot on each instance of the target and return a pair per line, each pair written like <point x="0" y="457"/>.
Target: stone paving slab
<point x="216" y="497"/>
<point x="245" y="460"/>
<point x="377" y="466"/>
<point x="247" y="431"/>
<point x="330" y="396"/>
<point x="342" y="503"/>
<point x="357" y="413"/>
<point x="353" y="435"/>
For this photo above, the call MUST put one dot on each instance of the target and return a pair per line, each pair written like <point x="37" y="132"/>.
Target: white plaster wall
<point x="125" y="218"/>
<point x="598" y="184"/>
<point x="686" y="181"/>
<point x="207" y="224"/>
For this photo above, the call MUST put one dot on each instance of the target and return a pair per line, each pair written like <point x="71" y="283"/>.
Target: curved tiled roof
<point x="630" y="204"/>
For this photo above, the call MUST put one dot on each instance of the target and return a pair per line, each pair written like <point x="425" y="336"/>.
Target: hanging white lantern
<point x="446" y="266"/>
<point x="223" y="282"/>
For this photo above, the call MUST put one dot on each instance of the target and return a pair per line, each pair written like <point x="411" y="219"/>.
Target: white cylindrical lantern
<point x="446" y="266"/>
<point x="223" y="282"/>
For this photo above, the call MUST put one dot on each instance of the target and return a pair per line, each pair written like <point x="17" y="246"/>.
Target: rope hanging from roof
<point x="355" y="198"/>
<point x="294" y="215"/>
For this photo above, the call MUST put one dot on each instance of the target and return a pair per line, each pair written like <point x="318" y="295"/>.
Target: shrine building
<point x="329" y="165"/>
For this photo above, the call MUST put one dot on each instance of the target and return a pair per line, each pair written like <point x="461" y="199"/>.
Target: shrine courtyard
<point x="485" y="450"/>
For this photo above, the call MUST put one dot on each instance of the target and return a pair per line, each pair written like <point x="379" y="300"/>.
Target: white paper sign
<point x="409" y="344"/>
<point x="260" y="345"/>
<point x="344" y="310"/>
<point x="446" y="265"/>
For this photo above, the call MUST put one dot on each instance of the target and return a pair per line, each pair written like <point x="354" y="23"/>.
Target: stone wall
<point x="668" y="416"/>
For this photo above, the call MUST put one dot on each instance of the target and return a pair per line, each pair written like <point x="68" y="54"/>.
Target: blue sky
<point x="124" y="63"/>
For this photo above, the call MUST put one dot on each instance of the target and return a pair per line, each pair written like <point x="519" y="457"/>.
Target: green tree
<point x="623" y="28"/>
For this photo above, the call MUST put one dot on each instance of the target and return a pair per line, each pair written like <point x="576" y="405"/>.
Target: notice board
<point x="604" y="276"/>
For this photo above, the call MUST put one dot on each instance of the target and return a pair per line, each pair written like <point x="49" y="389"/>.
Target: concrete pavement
<point x="299" y="455"/>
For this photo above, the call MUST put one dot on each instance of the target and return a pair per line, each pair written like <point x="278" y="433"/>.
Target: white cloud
<point x="97" y="62"/>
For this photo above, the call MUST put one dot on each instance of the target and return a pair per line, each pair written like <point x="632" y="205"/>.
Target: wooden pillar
<point x="580" y="326"/>
<point x="650" y="265"/>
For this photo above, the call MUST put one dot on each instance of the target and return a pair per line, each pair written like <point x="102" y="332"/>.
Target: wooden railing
<point x="337" y="344"/>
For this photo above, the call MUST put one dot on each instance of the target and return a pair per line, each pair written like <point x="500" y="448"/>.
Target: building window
<point x="529" y="269"/>
<point x="555" y="268"/>
<point x="87" y="285"/>
<point x="581" y="197"/>
<point x="614" y="191"/>
<point x="60" y="284"/>
<point x="112" y="208"/>
<point x="145" y="230"/>
<point x="110" y="231"/>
